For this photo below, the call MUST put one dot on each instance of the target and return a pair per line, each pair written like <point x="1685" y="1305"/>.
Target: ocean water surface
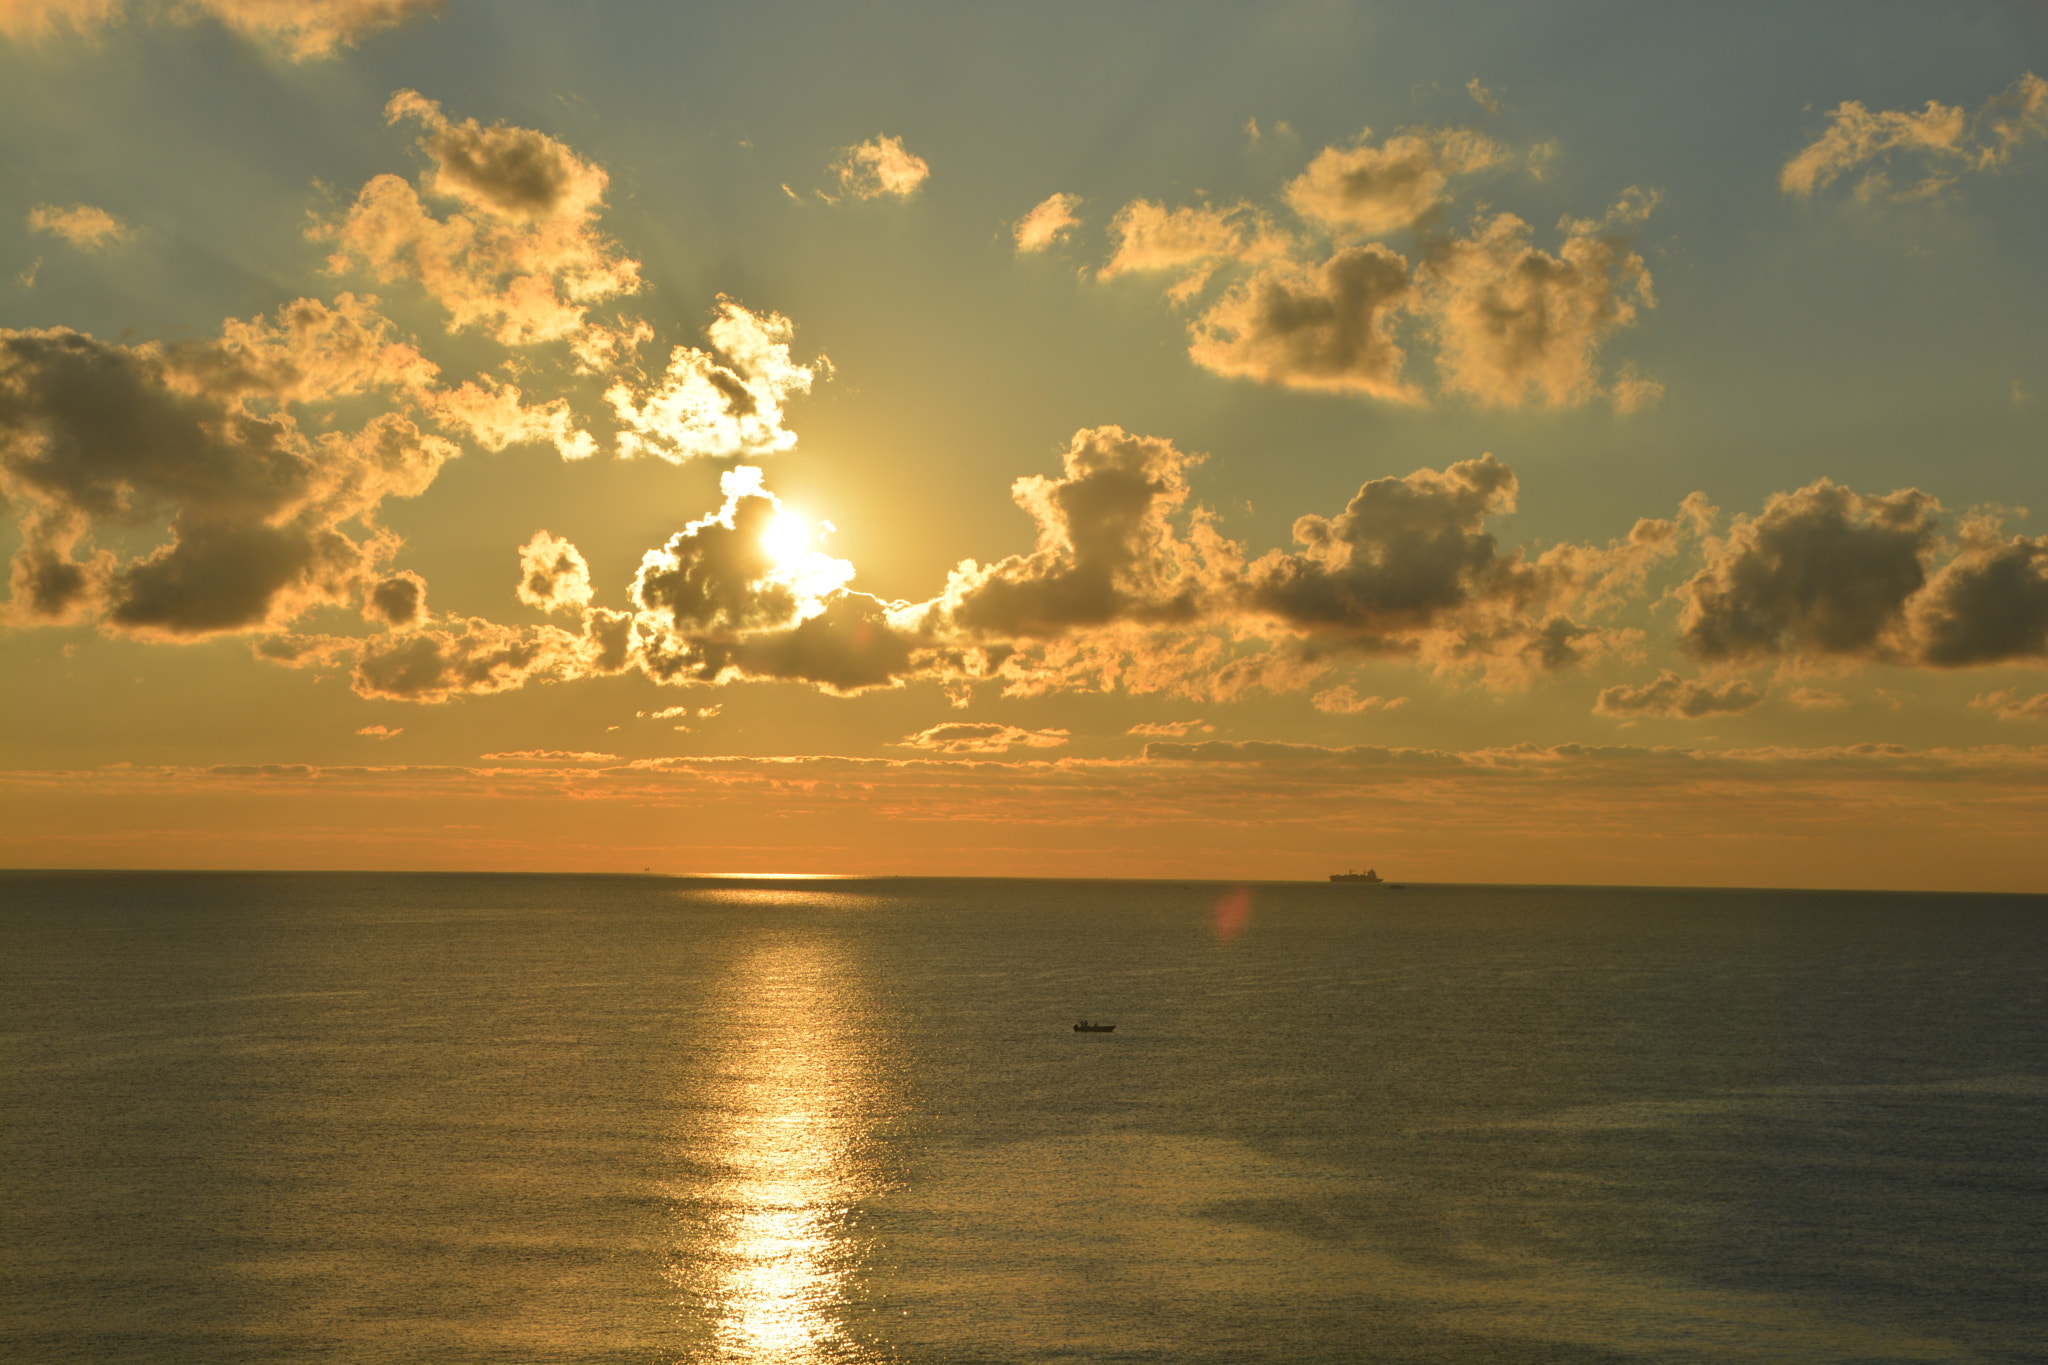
<point x="369" y="1118"/>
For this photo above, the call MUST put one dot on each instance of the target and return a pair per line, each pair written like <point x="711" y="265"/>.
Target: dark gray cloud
<point x="1403" y="553"/>
<point x="196" y="439"/>
<point x="399" y="601"/>
<point x="1819" y="571"/>
<point x="1988" y="605"/>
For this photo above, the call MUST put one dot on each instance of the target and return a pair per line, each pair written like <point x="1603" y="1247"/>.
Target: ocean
<point x="454" y="1118"/>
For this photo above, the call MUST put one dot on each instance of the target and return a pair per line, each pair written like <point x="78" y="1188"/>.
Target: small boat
<point x="1085" y="1027"/>
<point x="1366" y="876"/>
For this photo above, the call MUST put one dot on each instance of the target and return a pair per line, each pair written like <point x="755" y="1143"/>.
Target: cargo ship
<point x="1366" y="876"/>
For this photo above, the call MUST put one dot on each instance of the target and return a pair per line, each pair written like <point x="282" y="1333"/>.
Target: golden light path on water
<point x="771" y="1262"/>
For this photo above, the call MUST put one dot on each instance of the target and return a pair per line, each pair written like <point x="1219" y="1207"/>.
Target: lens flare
<point x="1233" y="912"/>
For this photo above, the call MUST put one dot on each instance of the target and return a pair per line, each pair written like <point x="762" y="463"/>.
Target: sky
<point x="1576" y="443"/>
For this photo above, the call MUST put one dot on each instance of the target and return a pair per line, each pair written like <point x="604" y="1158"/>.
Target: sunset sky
<point x="1568" y="443"/>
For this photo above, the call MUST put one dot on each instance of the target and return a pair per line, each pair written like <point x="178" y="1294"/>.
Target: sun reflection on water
<point x="772" y="1257"/>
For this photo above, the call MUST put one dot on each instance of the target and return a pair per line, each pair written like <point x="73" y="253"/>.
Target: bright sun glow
<point x="788" y="537"/>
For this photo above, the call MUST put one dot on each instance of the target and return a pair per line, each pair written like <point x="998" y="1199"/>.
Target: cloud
<point x="382" y="731"/>
<point x="878" y="167"/>
<point x="1051" y="221"/>
<point x="1369" y="191"/>
<point x="723" y="402"/>
<point x="553" y="575"/>
<point x="1514" y="324"/>
<point x="1827" y="572"/>
<point x="719" y="603"/>
<point x="1816" y="699"/>
<point x="1328" y="327"/>
<point x="551" y="756"/>
<point x="1987" y="605"/>
<point x="1344" y="700"/>
<point x="494" y="416"/>
<point x="1678" y="698"/>
<point x="980" y="738"/>
<point x="1409" y="568"/>
<point x="1483" y="97"/>
<point x="1505" y="323"/>
<point x="1822" y="571"/>
<point x="82" y="225"/>
<point x="522" y="256"/>
<point x="2013" y="706"/>
<point x="302" y="29"/>
<point x="198" y="438"/>
<point x="1189" y="242"/>
<point x="468" y="656"/>
<point x="399" y="601"/>
<point x="1107" y="548"/>
<point x="1935" y="146"/>
<point x="1171" y="729"/>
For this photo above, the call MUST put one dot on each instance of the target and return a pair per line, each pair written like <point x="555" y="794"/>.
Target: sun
<point x="788" y="537"/>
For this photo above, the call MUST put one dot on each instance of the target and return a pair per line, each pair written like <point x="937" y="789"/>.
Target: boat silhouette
<point x="1366" y="876"/>
<point x="1085" y="1027"/>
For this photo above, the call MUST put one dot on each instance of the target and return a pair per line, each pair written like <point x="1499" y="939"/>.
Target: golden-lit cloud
<point x="1344" y="700"/>
<point x="553" y="575"/>
<point x="1503" y="322"/>
<point x="1046" y="224"/>
<point x="1409" y="568"/>
<point x="1678" y="698"/>
<point x="1189" y="242"/>
<point x="301" y="29"/>
<point x="879" y="168"/>
<point x="976" y="738"/>
<point x="2011" y="705"/>
<point x="1367" y="191"/>
<point x="467" y="656"/>
<point x="82" y="225"/>
<point x="1107" y="548"/>
<point x="198" y="438"/>
<point x="1816" y="699"/>
<point x="1170" y="729"/>
<point x="1329" y="327"/>
<point x="522" y="256"/>
<point x="1933" y="147"/>
<point x="495" y="415"/>
<point x="1516" y="325"/>
<point x="728" y="400"/>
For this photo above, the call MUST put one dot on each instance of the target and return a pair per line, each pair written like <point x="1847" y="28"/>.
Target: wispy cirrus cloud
<point x="82" y="225"/>
<point x="300" y="29"/>
<point x="1932" y="147"/>
<point x="1673" y="697"/>
<point x="974" y="737"/>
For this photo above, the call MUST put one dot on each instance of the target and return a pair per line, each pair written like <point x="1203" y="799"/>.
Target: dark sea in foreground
<point x="367" y="1118"/>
